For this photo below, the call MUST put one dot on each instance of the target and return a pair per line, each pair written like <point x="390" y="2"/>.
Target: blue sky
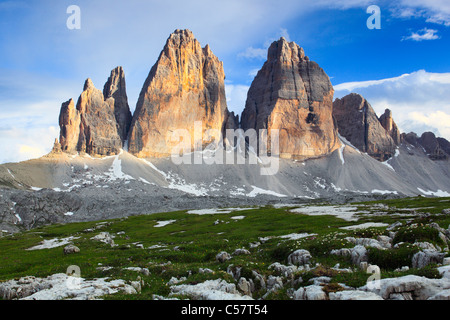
<point x="404" y="66"/>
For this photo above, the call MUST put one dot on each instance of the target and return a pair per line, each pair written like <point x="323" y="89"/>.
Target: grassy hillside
<point x="192" y="241"/>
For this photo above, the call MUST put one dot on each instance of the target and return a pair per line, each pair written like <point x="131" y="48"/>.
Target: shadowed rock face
<point x="184" y="86"/>
<point x="435" y="147"/>
<point x="91" y="126"/>
<point x="69" y="123"/>
<point x="390" y="126"/>
<point x="358" y="123"/>
<point x="115" y="88"/>
<point x="294" y="95"/>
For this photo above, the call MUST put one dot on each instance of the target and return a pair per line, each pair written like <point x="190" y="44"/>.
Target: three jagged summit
<point x="290" y="93"/>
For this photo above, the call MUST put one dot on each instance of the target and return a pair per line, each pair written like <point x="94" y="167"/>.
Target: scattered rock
<point x="353" y="295"/>
<point x="274" y="283"/>
<point x="285" y="271"/>
<point x="245" y="286"/>
<point x="61" y="286"/>
<point x="238" y="252"/>
<point x="209" y="290"/>
<point x="223" y="256"/>
<point x="359" y="254"/>
<point x="420" y="288"/>
<point x="313" y="292"/>
<point x="426" y="257"/>
<point x="71" y="249"/>
<point x="105" y="237"/>
<point x="299" y="257"/>
<point x="204" y="270"/>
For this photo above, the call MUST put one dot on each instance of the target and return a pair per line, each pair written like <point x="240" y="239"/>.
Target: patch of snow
<point x="145" y="181"/>
<point x="397" y="152"/>
<point x="386" y="163"/>
<point x="296" y="236"/>
<point x="238" y="217"/>
<point x="11" y="174"/>
<point x="438" y="193"/>
<point x="384" y="191"/>
<point x="337" y="189"/>
<point x="257" y="191"/>
<point x="188" y="188"/>
<point x="35" y="188"/>
<point x="346" y="142"/>
<point x="343" y="212"/>
<point x="164" y="223"/>
<point x="68" y="213"/>
<point x="53" y="243"/>
<point x="341" y="154"/>
<point x="157" y="246"/>
<point x="115" y="172"/>
<point x="365" y="226"/>
<point x="19" y="219"/>
<point x="151" y="165"/>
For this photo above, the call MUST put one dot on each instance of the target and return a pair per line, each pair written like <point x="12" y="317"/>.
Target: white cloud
<point x="420" y="101"/>
<point x="261" y="53"/>
<point x="421" y="35"/>
<point x="433" y="11"/>
<point x="19" y="144"/>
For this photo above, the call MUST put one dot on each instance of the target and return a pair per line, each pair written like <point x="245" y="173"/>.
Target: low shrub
<point x="391" y="259"/>
<point x="417" y="233"/>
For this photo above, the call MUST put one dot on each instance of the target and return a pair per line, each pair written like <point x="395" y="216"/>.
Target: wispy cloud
<point x="433" y="11"/>
<point x="254" y="53"/>
<point x="421" y="35"/>
<point x="420" y="100"/>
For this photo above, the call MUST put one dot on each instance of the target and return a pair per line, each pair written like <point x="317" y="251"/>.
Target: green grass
<point x="193" y="241"/>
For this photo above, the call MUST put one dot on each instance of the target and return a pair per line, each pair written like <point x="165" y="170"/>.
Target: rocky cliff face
<point x="358" y="123"/>
<point x="115" y="88"/>
<point x="436" y="148"/>
<point x="184" y="86"/>
<point x="294" y="95"/>
<point x="388" y="123"/>
<point x="91" y="126"/>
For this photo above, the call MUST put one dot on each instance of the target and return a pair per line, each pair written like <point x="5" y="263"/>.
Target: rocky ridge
<point x="91" y="126"/>
<point x="184" y="86"/>
<point x="294" y="95"/>
<point x="358" y="123"/>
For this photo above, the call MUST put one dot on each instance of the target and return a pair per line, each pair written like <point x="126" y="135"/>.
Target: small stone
<point x="71" y="249"/>
<point x="223" y="256"/>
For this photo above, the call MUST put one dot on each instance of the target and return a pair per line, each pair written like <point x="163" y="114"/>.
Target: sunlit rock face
<point x="186" y="85"/>
<point x="293" y="95"/>
<point x="90" y="126"/>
